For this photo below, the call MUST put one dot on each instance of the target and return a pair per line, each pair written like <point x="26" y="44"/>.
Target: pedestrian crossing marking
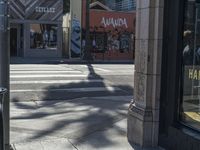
<point x="50" y="75"/>
<point x="38" y="71"/>
<point x="54" y="81"/>
<point x="89" y="89"/>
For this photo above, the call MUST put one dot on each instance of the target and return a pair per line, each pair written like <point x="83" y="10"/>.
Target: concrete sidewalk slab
<point x="73" y="119"/>
<point x="113" y="138"/>
<point x="56" y="144"/>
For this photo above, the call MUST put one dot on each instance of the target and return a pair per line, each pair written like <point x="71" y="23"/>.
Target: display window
<point x="43" y="36"/>
<point x="190" y="95"/>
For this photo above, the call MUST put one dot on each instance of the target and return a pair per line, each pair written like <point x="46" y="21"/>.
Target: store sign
<point x="119" y="22"/>
<point x="194" y="74"/>
<point x="45" y="9"/>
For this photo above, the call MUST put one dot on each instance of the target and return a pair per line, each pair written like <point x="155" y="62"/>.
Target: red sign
<point x="110" y="20"/>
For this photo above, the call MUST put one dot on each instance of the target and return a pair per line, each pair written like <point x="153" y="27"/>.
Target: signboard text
<point x="45" y="10"/>
<point x="119" y="22"/>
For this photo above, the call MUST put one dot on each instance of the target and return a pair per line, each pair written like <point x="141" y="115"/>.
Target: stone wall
<point x="143" y="116"/>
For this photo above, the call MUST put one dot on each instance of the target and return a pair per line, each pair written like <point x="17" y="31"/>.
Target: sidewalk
<point x="80" y="124"/>
<point x="87" y="123"/>
<point x="115" y="140"/>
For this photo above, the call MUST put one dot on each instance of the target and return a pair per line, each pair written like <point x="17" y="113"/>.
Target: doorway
<point x="13" y="42"/>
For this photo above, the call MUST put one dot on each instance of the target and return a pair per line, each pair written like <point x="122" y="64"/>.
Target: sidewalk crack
<point x="72" y="144"/>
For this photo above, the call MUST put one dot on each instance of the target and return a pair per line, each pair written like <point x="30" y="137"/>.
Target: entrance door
<point x="13" y="41"/>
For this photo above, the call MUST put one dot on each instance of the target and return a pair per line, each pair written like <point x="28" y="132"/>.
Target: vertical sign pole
<point x="4" y="67"/>
<point x="87" y="53"/>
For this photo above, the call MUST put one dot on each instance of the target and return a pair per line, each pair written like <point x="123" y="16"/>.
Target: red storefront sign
<point x="110" y="20"/>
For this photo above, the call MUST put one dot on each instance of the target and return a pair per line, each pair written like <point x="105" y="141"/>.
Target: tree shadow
<point x="78" y="114"/>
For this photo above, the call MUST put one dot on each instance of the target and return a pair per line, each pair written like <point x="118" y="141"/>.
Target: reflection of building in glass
<point x="190" y="104"/>
<point x="121" y="5"/>
<point x="43" y="36"/>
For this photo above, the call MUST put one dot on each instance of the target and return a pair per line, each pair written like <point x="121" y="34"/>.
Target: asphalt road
<point x="65" y="82"/>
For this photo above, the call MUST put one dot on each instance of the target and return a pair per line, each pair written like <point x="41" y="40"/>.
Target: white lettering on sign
<point x="45" y="9"/>
<point x="119" y="22"/>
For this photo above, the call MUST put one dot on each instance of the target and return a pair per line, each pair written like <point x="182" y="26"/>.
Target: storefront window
<point x="43" y="36"/>
<point x="190" y="105"/>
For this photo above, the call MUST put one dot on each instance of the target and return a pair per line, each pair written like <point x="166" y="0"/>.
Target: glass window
<point x="43" y="36"/>
<point x="190" y="104"/>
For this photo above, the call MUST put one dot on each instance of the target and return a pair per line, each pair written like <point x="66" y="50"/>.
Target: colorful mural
<point x="113" y="33"/>
<point x="76" y="38"/>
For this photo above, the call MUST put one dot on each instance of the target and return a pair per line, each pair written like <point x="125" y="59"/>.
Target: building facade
<point x="75" y="29"/>
<point x="165" y="111"/>
<point x="36" y="28"/>
<point x="121" y="5"/>
<point x="112" y="33"/>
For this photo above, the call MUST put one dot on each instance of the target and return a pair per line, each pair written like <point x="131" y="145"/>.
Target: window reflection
<point x="190" y="105"/>
<point x="43" y="36"/>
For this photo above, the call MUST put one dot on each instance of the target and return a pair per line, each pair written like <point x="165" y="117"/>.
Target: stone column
<point x="143" y="115"/>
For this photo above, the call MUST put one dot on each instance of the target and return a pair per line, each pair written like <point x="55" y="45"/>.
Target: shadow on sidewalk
<point x="81" y="116"/>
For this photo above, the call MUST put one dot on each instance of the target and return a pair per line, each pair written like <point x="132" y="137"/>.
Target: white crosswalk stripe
<point x="53" y="81"/>
<point x="50" y="82"/>
<point x="48" y="75"/>
<point x="43" y="72"/>
<point x="93" y="89"/>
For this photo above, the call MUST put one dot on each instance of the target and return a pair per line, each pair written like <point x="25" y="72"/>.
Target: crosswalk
<point x="55" y="82"/>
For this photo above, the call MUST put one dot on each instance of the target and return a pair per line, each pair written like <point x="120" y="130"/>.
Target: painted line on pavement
<point x="95" y="68"/>
<point x="54" y="81"/>
<point x="40" y="69"/>
<point x="91" y="89"/>
<point x="56" y="71"/>
<point x="50" y="75"/>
